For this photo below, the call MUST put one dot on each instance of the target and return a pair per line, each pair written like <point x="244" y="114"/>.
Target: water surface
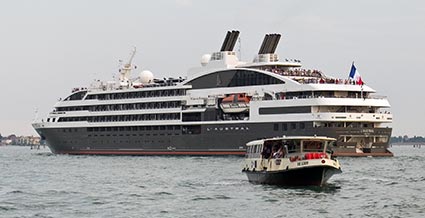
<point x="36" y="183"/>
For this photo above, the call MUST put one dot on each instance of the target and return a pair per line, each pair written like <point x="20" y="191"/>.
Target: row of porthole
<point x="132" y="135"/>
<point x="227" y="128"/>
<point x="129" y="141"/>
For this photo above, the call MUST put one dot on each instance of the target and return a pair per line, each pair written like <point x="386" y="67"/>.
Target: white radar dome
<point x="205" y="59"/>
<point x="146" y="77"/>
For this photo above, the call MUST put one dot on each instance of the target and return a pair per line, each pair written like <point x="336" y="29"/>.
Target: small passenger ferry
<point x="291" y="161"/>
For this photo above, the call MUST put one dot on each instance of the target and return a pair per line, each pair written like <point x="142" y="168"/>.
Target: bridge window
<point x="234" y="78"/>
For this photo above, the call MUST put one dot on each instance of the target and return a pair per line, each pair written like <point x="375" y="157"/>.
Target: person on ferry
<point x="278" y="153"/>
<point x="266" y="153"/>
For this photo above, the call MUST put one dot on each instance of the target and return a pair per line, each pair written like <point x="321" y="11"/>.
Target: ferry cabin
<point x="285" y="153"/>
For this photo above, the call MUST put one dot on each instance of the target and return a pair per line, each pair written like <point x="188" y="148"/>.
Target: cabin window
<point x="313" y="146"/>
<point x="293" y="146"/>
<point x="273" y="149"/>
<point x="284" y="110"/>
<point x="276" y="127"/>
<point x="191" y="117"/>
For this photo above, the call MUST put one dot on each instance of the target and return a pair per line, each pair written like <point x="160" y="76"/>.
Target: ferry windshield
<point x="313" y="146"/>
<point x="273" y="149"/>
<point x="293" y="146"/>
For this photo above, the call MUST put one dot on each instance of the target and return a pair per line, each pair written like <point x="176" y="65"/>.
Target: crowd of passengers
<point x="308" y="76"/>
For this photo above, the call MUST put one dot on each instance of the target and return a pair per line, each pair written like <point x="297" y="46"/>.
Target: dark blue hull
<point x="209" y="139"/>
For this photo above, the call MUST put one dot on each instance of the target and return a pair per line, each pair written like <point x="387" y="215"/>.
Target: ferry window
<point x="302" y="125"/>
<point x="257" y="149"/>
<point x="310" y="146"/>
<point x="275" y="127"/>
<point x="267" y="150"/>
<point x="293" y="125"/>
<point x="284" y="126"/>
<point x="293" y="146"/>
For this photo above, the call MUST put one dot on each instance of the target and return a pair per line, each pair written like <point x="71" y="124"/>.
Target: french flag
<point x="355" y="75"/>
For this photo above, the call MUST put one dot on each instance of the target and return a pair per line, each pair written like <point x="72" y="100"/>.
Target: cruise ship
<point x="217" y="108"/>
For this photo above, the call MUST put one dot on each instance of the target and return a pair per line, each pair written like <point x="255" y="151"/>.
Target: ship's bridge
<point x="234" y="78"/>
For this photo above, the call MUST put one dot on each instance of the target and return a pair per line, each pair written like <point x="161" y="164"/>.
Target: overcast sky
<point x="47" y="47"/>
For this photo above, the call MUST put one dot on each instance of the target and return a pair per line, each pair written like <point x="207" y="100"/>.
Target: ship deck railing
<point x="318" y="96"/>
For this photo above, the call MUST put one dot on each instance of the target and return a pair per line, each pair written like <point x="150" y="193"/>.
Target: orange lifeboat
<point x="235" y="103"/>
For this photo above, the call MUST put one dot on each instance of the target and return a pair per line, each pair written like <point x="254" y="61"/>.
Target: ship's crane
<point x="125" y="70"/>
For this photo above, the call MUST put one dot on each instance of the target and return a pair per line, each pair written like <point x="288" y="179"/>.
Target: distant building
<point x="6" y="141"/>
<point x="20" y="140"/>
<point x="27" y="140"/>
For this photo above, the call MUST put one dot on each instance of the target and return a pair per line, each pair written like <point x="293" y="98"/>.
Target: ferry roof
<point x="319" y="138"/>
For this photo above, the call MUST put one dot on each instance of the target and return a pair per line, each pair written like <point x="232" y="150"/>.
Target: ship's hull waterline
<point x="213" y="139"/>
